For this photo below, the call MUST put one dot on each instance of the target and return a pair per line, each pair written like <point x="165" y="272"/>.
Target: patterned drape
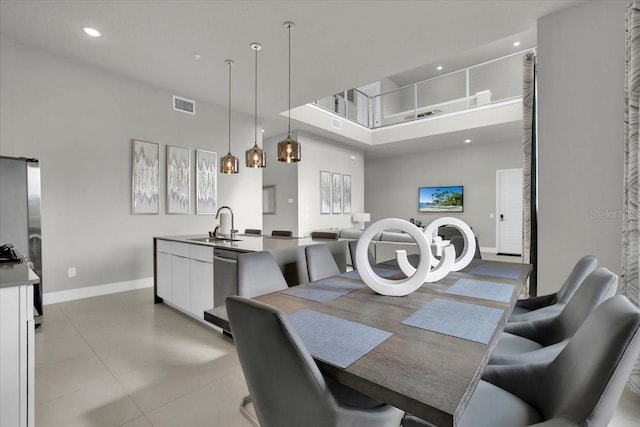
<point x="629" y="272"/>
<point x="530" y="227"/>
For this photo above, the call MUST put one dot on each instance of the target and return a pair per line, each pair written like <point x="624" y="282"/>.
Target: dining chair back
<point x="284" y="381"/>
<point x="353" y="245"/>
<point x="552" y="304"/>
<point x="259" y="274"/>
<point x="320" y="262"/>
<point x="543" y="339"/>
<point x="252" y="231"/>
<point x="581" y="386"/>
<point x="324" y="235"/>
<point x="282" y="233"/>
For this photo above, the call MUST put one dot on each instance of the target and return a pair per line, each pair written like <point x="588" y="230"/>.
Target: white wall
<point x="285" y="177"/>
<point x="78" y="120"/>
<point x="392" y="183"/>
<point x="581" y="61"/>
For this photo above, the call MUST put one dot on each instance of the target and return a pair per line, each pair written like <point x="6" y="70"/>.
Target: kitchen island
<point x="194" y="273"/>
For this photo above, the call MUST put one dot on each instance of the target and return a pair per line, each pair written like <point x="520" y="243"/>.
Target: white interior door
<point x="509" y="211"/>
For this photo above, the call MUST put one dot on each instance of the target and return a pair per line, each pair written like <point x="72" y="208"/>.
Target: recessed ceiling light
<point x="439" y="68"/>
<point x="516" y="44"/>
<point x="197" y="56"/>
<point x="467" y="141"/>
<point x="91" y="32"/>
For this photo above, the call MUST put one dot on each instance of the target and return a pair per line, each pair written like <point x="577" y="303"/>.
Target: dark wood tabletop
<point x="425" y="373"/>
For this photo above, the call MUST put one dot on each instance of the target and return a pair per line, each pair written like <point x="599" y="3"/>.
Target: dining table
<point x="424" y="352"/>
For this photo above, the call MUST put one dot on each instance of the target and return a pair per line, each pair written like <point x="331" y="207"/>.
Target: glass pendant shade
<point x="255" y="157"/>
<point x="289" y="150"/>
<point x="229" y="164"/>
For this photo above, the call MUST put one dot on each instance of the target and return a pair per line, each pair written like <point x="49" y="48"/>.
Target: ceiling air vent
<point x="336" y="124"/>
<point x="184" y="105"/>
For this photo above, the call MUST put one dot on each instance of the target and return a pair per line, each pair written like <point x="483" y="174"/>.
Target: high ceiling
<point x="335" y="44"/>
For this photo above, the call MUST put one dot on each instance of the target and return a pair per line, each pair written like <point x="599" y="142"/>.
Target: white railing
<point x="482" y="84"/>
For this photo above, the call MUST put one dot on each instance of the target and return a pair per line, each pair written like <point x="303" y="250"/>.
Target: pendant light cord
<point x="289" y="127"/>
<point x="255" y="109"/>
<point x="230" y="107"/>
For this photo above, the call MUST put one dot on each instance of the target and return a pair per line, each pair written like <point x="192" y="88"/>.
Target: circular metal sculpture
<point x="386" y="286"/>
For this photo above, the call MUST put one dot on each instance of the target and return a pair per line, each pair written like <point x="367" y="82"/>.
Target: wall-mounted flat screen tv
<point x="440" y="199"/>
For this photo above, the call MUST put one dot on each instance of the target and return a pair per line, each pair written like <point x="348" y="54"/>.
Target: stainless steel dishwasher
<point x="225" y="275"/>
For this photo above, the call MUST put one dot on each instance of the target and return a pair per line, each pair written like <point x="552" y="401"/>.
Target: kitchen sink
<point x="215" y="239"/>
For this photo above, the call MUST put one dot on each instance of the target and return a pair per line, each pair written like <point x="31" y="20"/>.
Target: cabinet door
<point x="201" y="287"/>
<point x="180" y="282"/>
<point x="163" y="279"/>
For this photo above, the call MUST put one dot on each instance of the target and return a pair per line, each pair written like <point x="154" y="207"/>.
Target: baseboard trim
<point x="489" y="250"/>
<point x="97" y="290"/>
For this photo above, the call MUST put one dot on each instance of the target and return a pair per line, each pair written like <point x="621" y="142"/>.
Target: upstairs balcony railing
<point x="482" y="84"/>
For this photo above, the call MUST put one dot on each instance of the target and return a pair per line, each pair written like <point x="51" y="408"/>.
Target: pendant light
<point x="255" y="157"/>
<point x="229" y="163"/>
<point x="289" y="149"/>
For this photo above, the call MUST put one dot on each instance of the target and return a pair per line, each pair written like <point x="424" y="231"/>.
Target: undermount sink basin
<point x="216" y="239"/>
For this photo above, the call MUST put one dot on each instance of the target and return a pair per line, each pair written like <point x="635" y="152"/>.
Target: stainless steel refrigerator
<point x="20" y="223"/>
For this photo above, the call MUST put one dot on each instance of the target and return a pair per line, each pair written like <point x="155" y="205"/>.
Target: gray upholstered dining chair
<point x="353" y="245"/>
<point x="259" y="274"/>
<point x="282" y="233"/>
<point x="285" y="383"/>
<point x="458" y="244"/>
<point x="541" y="340"/>
<point x="552" y="304"/>
<point x="320" y="262"/>
<point x="252" y="231"/>
<point x="581" y="387"/>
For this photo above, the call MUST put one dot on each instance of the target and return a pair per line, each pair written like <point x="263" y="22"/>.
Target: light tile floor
<point x="121" y="360"/>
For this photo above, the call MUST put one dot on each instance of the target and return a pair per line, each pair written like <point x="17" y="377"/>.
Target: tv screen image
<point x="440" y="199"/>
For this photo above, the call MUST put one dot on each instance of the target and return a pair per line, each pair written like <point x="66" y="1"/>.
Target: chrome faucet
<point x="233" y="230"/>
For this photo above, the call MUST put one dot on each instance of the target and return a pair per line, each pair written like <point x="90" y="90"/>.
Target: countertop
<point x="247" y="243"/>
<point x="16" y="274"/>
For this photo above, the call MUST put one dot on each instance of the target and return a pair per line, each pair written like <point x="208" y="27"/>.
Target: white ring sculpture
<point x="424" y="273"/>
<point x="469" y="241"/>
<point x="386" y="286"/>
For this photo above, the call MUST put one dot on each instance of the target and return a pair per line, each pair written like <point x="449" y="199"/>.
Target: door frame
<point x="497" y="214"/>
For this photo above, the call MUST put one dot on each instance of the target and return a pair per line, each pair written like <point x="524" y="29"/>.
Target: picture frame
<point x="145" y="177"/>
<point x="268" y="200"/>
<point x="336" y="193"/>
<point x="325" y="192"/>
<point x="206" y="182"/>
<point x="178" y="180"/>
<point x="346" y="194"/>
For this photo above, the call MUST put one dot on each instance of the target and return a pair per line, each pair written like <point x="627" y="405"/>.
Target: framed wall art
<point x="346" y="194"/>
<point x="206" y="182"/>
<point x="145" y="177"/>
<point x="336" y="193"/>
<point x="178" y="180"/>
<point x="325" y="192"/>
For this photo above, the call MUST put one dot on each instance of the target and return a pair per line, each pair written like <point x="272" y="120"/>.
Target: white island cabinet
<point x="17" y="345"/>
<point x="184" y="276"/>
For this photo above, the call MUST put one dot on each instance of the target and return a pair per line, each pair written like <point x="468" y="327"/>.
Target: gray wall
<point x="581" y="59"/>
<point x="78" y="121"/>
<point x="392" y="183"/>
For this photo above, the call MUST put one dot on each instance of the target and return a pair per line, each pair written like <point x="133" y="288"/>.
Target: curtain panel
<point x="629" y="271"/>
<point x="529" y="181"/>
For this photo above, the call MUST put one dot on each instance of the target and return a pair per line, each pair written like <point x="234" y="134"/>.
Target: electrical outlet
<point x="289" y="200"/>
<point x="491" y="215"/>
<point x="71" y="272"/>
